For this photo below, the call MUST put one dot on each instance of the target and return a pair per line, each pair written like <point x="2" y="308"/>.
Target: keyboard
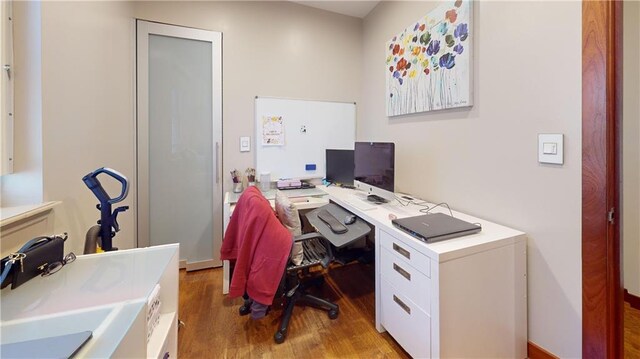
<point x="359" y="203"/>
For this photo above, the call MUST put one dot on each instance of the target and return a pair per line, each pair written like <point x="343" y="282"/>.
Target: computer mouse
<point x="350" y="219"/>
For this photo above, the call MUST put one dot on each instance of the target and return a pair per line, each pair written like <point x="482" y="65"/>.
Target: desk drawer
<point x="407" y="253"/>
<point x="409" y="281"/>
<point x="407" y="324"/>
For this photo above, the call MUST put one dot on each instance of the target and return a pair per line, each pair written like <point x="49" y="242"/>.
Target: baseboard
<point x="191" y="266"/>
<point x="634" y="301"/>
<point x="536" y="352"/>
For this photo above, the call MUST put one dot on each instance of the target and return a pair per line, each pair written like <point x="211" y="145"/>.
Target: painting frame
<point x="429" y="64"/>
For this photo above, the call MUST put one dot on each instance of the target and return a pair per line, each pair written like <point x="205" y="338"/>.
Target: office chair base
<point x="246" y="306"/>
<point x="244" y="310"/>
<point x="278" y="338"/>
<point x="333" y="310"/>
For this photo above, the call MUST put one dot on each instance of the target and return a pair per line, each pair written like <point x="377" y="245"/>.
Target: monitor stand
<point x="376" y="199"/>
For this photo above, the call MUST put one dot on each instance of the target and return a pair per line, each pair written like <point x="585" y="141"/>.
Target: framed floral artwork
<point x="428" y="65"/>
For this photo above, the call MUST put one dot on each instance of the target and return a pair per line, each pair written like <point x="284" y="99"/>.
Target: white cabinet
<point x="469" y="306"/>
<point x="105" y="293"/>
<point x="405" y="320"/>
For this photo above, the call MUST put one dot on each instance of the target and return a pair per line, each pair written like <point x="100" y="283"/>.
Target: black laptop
<point x="436" y="227"/>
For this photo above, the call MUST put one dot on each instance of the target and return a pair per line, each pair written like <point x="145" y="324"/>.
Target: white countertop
<point x="104" y="293"/>
<point x="492" y="235"/>
<point x="13" y="214"/>
<point x="92" y="280"/>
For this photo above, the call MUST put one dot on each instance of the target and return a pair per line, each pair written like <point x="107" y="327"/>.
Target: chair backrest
<point x="260" y="246"/>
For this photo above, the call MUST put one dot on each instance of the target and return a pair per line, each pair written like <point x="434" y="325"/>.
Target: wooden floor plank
<point x="213" y="328"/>
<point x="631" y="332"/>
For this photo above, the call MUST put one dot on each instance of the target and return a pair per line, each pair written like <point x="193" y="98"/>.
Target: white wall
<point x="24" y="186"/>
<point x="483" y="160"/>
<point x="87" y="109"/>
<point x="276" y="49"/>
<point x="630" y="148"/>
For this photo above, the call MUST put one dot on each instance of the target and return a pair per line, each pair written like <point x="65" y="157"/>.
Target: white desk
<point x="106" y="293"/>
<point x="460" y="298"/>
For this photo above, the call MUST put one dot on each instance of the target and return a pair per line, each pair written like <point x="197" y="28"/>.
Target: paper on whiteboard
<point x="272" y="131"/>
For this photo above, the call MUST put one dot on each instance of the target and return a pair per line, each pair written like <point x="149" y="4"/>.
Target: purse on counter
<point x="31" y="260"/>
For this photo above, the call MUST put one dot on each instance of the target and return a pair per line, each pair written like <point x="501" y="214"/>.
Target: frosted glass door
<point x="179" y="133"/>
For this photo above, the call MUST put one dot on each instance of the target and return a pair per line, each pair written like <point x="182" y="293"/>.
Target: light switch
<point x="551" y="148"/>
<point x="245" y="144"/>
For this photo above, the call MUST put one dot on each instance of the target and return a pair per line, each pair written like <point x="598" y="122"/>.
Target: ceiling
<point x="352" y="8"/>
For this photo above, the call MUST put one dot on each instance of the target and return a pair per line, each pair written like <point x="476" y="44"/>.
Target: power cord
<point x="441" y="204"/>
<point x="405" y="202"/>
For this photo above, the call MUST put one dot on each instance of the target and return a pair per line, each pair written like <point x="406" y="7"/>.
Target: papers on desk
<point x="293" y="193"/>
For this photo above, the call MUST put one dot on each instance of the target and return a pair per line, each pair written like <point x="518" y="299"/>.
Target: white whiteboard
<point x="309" y="128"/>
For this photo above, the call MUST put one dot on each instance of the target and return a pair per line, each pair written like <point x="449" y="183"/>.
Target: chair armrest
<point x="307" y="236"/>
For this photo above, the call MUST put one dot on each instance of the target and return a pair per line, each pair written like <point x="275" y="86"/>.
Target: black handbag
<point x="31" y="260"/>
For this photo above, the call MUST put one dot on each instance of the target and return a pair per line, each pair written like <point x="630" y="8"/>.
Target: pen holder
<point x="265" y="181"/>
<point x="237" y="187"/>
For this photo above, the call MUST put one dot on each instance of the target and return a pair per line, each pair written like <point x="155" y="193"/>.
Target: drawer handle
<point x="402" y="272"/>
<point x="402" y="305"/>
<point x="402" y="251"/>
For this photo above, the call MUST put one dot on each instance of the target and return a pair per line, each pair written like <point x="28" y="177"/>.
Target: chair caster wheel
<point x="279" y="338"/>
<point x="333" y="314"/>
<point x="244" y="310"/>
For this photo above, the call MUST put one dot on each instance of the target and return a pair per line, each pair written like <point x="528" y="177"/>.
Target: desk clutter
<point x="236" y="177"/>
<point x="288" y="184"/>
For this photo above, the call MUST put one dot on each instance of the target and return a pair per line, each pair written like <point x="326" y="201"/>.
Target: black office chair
<point x="317" y="251"/>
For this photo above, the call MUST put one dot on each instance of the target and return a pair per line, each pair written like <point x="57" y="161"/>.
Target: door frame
<point x="602" y="288"/>
<point x="143" y="28"/>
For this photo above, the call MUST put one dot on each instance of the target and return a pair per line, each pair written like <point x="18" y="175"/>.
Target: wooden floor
<point x="213" y="328"/>
<point x="631" y="332"/>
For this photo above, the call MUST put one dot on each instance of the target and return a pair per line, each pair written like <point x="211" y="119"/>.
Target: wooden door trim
<point x="601" y="107"/>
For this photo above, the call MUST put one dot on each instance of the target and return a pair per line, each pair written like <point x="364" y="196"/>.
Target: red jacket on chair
<point x="260" y="246"/>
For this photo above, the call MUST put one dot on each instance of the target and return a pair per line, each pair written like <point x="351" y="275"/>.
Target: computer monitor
<point x="374" y="168"/>
<point x="339" y="166"/>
